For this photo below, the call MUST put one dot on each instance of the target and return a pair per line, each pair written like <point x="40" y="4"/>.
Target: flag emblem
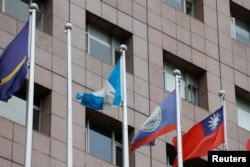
<point x="203" y="136"/>
<point x="161" y="121"/>
<point x="153" y="121"/>
<point x="214" y="121"/>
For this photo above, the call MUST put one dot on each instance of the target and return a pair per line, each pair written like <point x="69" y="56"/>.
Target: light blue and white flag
<point x="108" y="97"/>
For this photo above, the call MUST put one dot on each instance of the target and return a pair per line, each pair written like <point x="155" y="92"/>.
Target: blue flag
<point x="13" y="64"/>
<point x="161" y="121"/>
<point x="106" y="98"/>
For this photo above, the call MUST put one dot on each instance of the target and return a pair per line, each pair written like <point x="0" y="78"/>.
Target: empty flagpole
<point x="222" y="95"/>
<point x="177" y="74"/>
<point x="68" y="28"/>
<point x="29" y="108"/>
<point x="123" y="48"/>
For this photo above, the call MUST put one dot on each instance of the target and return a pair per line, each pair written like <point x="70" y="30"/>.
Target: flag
<point x="248" y="145"/>
<point x="13" y="64"/>
<point x="108" y="97"/>
<point x="203" y="136"/>
<point x="161" y="121"/>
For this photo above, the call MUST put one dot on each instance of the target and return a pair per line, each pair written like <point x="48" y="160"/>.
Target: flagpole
<point x="177" y="74"/>
<point x="68" y="28"/>
<point x="29" y="117"/>
<point x="123" y="48"/>
<point x="222" y="95"/>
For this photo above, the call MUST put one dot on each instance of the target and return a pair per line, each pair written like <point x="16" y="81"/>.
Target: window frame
<point x="183" y="6"/>
<point x="185" y="83"/>
<point x="239" y="14"/>
<point x="40" y="12"/>
<point x="20" y="96"/>
<point x="234" y="31"/>
<point x="243" y="104"/>
<point x="113" y="43"/>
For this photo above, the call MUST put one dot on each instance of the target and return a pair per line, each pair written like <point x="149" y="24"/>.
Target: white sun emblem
<point x="213" y="122"/>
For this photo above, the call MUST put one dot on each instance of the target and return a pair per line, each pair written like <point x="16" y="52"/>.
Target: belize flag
<point x="161" y="121"/>
<point x="108" y="97"/>
<point x="13" y="64"/>
<point x="203" y="136"/>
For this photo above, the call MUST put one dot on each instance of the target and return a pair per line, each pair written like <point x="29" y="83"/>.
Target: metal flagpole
<point x="29" y="117"/>
<point x="123" y="48"/>
<point x="68" y="28"/>
<point x="222" y="95"/>
<point x="177" y="74"/>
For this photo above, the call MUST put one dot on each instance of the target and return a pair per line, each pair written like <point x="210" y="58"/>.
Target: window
<point x="240" y="25"/>
<point x="193" y="80"/>
<point x="103" y="40"/>
<point x="240" y="30"/>
<point x="193" y="8"/>
<point x="15" y="108"/>
<point x="186" y="6"/>
<point x="101" y="45"/>
<point x="243" y="108"/>
<point x="243" y="112"/>
<point x="189" y="83"/>
<point x="104" y="143"/>
<point x="19" y="9"/>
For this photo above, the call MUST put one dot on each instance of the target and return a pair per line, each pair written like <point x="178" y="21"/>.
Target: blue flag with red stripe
<point x="161" y="121"/>
<point x="13" y="64"/>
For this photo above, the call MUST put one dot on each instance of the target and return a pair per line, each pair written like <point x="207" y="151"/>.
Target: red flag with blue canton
<point x="13" y="64"/>
<point x="161" y="121"/>
<point x="203" y="136"/>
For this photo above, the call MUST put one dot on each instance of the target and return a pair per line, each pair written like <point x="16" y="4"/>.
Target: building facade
<point x="207" y="40"/>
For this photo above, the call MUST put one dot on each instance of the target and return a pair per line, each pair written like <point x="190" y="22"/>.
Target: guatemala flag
<point x="108" y="97"/>
<point x="161" y="121"/>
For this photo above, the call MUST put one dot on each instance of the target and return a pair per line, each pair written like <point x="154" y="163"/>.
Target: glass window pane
<point x="39" y="19"/>
<point x="100" y="142"/>
<point x="118" y="138"/>
<point x="178" y="4"/>
<point x="36" y="120"/>
<point x="14" y="110"/>
<point x="99" y="45"/>
<point x="242" y="31"/>
<point x="170" y="81"/>
<point x="243" y="109"/>
<point x="17" y="9"/>
<point x="118" y="152"/>
<point x="98" y="50"/>
<point x="189" y="8"/>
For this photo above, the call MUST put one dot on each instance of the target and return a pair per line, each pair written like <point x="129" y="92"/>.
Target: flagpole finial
<point x="123" y="47"/>
<point x="34" y="6"/>
<point x="68" y="26"/>
<point x="222" y="93"/>
<point x="177" y="72"/>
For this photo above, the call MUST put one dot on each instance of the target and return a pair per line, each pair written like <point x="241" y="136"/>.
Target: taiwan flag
<point x="161" y="121"/>
<point x="203" y="136"/>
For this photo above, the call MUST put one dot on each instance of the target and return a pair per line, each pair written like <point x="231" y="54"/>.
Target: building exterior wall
<point x="155" y="27"/>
